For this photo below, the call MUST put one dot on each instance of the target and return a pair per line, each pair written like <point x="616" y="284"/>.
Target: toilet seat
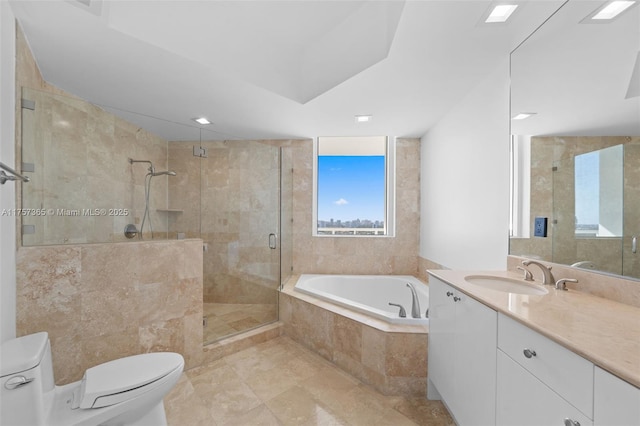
<point x="122" y="379"/>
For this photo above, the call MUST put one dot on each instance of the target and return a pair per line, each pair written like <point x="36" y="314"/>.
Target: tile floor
<point x="280" y="382"/>
<point x="227" y="319"/>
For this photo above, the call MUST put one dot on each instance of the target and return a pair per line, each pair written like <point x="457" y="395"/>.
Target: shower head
<point x="168" y="172"/>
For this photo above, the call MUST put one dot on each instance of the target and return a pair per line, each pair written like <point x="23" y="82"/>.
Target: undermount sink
<point x="506" y="284"/>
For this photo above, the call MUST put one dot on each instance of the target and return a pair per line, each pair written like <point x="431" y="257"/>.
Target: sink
<point x="506" y="284"/>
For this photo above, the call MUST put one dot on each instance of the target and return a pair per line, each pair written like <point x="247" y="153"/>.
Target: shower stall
<point x="237" y="197"/>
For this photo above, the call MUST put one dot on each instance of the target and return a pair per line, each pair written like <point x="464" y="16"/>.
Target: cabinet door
<point x="475" y="362"/>
<point x="523" y="400"/>
<point x="441" y="337"/>
<point x="616" y="402"/>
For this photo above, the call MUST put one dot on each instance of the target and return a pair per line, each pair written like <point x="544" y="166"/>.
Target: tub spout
<point x="415" y="303"/>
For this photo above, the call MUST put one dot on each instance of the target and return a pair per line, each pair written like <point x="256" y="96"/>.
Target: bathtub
<point x="369" y="294"/>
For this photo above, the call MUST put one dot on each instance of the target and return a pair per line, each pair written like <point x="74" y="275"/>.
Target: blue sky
<point x="587" y="177"/>
<point x="351" y="187"/>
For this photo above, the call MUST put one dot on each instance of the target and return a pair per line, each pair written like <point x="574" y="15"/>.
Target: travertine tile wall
<point x="235" y="192"/>
<point x="104" y="301"/>
<point x="100" y="302"/>
<point x="561" y="246"/>
<point x="80" y="153"/>
<point x="394" y="363"/>
<point x="359" y="255"/>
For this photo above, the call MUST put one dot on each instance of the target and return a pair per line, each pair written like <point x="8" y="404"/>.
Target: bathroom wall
<point x="104" y="301"/>
<point x="358" y="255"/>
<point x="100" y="302"/>
<point x="465" y="180"/>
<point x="80" y="156"/>
<point x="8" y="190"/>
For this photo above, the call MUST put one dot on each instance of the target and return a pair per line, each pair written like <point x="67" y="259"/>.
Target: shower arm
<point x="151" y="168"/>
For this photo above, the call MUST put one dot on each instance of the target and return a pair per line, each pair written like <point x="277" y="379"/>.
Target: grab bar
<point x="5" y="177"/>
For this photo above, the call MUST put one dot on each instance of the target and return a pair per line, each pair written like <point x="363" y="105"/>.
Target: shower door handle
<point x="634" y="244"/>
<point x="272" y="241"/>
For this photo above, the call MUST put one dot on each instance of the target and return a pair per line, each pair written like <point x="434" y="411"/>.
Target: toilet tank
<point x="26" y="378"/>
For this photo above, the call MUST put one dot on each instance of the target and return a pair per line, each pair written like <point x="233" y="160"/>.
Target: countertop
<point x="602" y="331"/>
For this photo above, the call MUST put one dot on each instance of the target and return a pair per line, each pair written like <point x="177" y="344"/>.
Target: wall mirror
<point x="575" y="141"/>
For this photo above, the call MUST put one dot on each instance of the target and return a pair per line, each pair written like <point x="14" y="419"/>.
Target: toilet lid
<point x="116" y="381"/>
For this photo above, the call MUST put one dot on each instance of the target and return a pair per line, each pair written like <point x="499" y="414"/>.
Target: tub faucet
<point x="402" y="313"/>
<point x="547" y="276"/>
<point x="415" y="303"/>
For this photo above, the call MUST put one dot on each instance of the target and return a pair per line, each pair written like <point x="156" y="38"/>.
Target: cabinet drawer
<point x="523" y="400"/>
<point x="568" y="374"/>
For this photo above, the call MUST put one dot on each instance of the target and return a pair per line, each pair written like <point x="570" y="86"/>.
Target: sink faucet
<point x="528" y="276"/>
<point x="561" y="284"/>
<point x="547" y="276"/>
<point x="415" y="303"/>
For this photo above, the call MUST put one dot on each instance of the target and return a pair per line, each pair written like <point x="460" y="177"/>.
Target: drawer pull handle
<point x="456" y="298"/>
<point x="529" y="353"/>
<point x="449" y="294"/>
<point x="569" y="422"/>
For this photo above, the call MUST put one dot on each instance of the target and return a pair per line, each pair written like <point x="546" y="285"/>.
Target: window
<point x="599" y="186"/>
<point x="353" y="186"/>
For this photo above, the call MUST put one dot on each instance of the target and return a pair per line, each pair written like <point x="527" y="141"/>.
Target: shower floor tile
<point x="225" y="319"/>
<point x="280" y="382"/>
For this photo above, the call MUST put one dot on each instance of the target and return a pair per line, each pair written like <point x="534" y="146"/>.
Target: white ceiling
<point x="272" y="69"/>
<point x="575" y="75"/>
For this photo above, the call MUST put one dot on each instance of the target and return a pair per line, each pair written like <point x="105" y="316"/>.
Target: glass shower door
<point x="240" y="225"/>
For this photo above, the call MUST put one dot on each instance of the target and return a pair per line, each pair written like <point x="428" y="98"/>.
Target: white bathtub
<point x="369" y="294"/>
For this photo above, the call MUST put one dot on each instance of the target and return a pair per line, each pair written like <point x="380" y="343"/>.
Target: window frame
<point x="390" y="193"/>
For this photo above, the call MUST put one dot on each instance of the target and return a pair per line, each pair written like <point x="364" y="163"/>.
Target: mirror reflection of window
<point x="598" y="193"/>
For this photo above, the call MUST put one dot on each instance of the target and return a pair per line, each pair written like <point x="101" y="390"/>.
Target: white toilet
<point x="126" y="391"/>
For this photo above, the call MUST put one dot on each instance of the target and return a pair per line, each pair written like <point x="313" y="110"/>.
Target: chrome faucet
<point x="402" y="313"/>
<point x="415" y="303"/>
<point x="528" y="276"/>
<point x="561" y="284"/>
<point x="547" y="276"/>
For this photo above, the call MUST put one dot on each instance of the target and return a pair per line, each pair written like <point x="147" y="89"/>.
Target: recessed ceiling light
<point x="523" y="115"/>
<point x="363" y="118"/>
<point x="612" y="9"/>
<point x="500" y="13"/>
<point x="201" y="120"/>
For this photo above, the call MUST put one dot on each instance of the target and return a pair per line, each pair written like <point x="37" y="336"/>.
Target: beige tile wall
<point x="359" y="255"/>
<point x="100" y="302"/>
<point x="230" y="198"/>
<point x="393" y="362"/>
<point x="80" y="153"/>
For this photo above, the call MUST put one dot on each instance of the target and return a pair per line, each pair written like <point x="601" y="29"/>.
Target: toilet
<point x="125" y="392"/>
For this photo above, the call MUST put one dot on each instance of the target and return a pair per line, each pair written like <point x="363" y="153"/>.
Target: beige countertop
<point x="605" y="332"/>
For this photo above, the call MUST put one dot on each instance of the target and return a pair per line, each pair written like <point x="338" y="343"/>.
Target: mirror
<point x="575" y="109"/>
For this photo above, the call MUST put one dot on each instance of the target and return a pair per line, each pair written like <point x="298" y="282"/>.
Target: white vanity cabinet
<point x="616" y="402"/>
<point x="462" y="353"/>
<point x="540" y="382"/>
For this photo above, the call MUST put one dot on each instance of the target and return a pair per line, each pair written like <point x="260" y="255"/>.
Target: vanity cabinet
<point x="462" y="353"/>
<point x="540" y="382"/>
<point x="524" y="400"/>
<point x="616" y="402"/>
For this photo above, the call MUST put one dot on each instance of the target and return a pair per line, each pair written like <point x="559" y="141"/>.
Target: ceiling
<point x="578" y="76"/>
<point x="272" y="69"/>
